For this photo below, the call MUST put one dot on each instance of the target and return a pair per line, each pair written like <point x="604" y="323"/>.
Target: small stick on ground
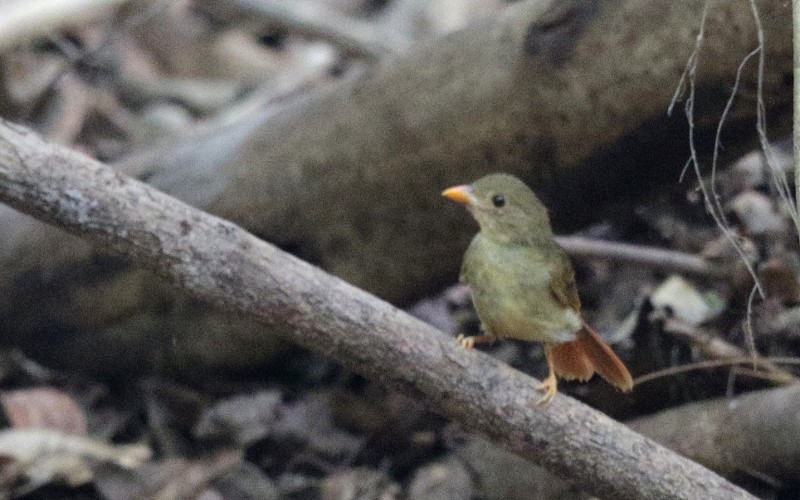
<point x="651" y="257"/>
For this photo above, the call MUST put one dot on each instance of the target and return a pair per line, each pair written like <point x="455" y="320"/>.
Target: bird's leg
<point x="550" y="384"/>
<point x="469" y="342"/>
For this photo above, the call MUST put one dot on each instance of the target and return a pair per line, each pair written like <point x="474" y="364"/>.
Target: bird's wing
<point x="562" y="283"/>
<point x="463" y="275"/>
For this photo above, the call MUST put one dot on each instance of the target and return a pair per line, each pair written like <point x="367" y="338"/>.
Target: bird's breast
<point x="511" y="292"/>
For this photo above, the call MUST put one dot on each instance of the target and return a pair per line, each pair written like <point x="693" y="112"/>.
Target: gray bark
<point x="754" y="433"/>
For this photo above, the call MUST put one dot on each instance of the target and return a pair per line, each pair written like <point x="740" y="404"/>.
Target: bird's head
<point x="506" y="209"/>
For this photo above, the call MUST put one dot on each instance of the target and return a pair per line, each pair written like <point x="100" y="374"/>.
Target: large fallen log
<point x="754" y="434"/>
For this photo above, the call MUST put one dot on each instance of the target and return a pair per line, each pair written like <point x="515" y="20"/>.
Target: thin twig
<point x="779" y="180"/>
<point x="718" y="137"/>
<point x="709" y="363"/>
<point x="749" y="336"/>
<point x="796" y="97"/>
<point x="775" y="378"/>
<point x="712" y="346"/>
<point x="689" y="79"/>
<point x="691" y="64"/>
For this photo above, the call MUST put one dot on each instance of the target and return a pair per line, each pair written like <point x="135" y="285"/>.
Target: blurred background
<point x="659" y="137"/>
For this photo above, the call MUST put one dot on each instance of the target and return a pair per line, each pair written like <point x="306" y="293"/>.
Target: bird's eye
<point x="498" y="200"/>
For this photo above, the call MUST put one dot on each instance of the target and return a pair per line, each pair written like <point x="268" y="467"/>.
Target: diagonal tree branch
<point x="219" y="262"/>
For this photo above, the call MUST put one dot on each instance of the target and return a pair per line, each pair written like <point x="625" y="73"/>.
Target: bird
<point x="523" y="284"/>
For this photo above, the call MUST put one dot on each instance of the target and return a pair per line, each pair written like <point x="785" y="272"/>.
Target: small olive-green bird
<point x="523" y="284"/>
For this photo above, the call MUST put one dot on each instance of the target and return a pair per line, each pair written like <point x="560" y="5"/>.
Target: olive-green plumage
<point x="523" y="283"/>
<point x="512" y="263"/>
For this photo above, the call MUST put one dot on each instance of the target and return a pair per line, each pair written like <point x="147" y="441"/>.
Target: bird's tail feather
<point x="588" y="354"/>
<point x="570" y="361"/>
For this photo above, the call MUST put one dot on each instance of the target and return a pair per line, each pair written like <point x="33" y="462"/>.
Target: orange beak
<point x="461" y="194"/>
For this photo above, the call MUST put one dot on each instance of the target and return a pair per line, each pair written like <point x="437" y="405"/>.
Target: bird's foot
<point x="466" y="342"/>
<point x="469" y="342"/>
<point x="549" y="387"/>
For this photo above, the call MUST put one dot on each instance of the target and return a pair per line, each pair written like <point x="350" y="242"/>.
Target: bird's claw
<point x="549" y="387"/>
<point x="466" y="342"/>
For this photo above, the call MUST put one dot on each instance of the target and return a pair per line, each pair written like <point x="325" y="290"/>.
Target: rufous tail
<point x="588" y="354"/>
